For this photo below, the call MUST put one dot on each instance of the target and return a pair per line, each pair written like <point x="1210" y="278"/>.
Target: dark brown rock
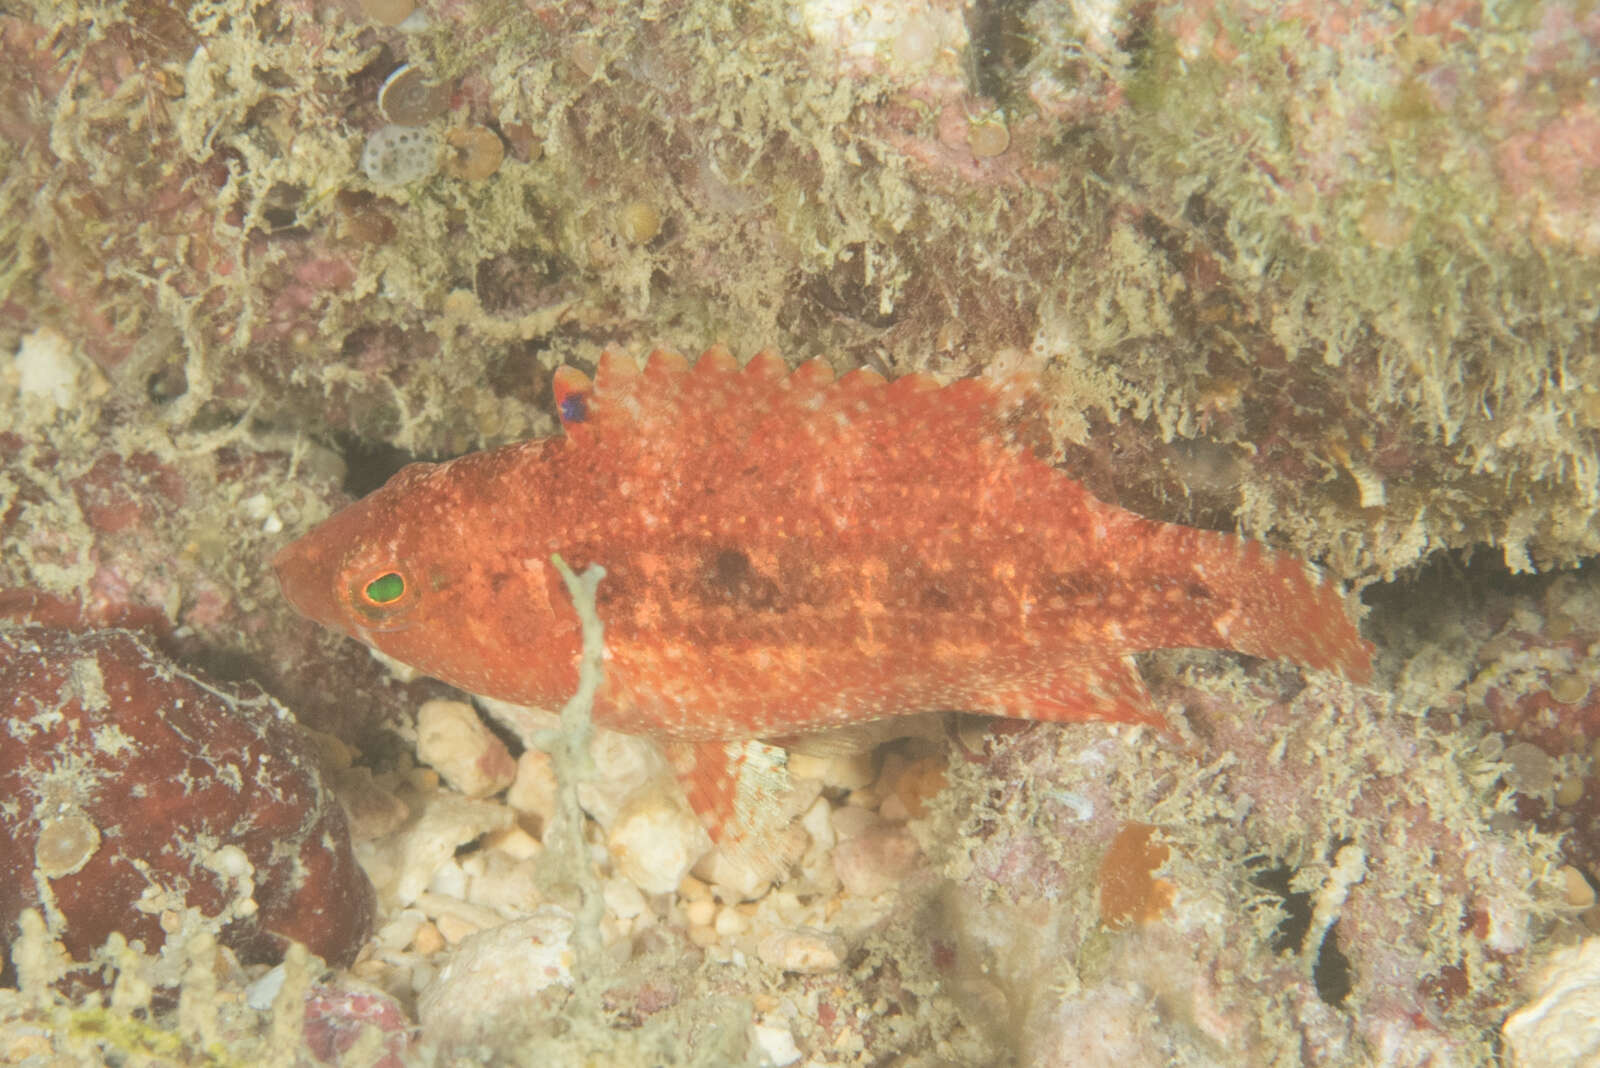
<point x="129" y="789"/>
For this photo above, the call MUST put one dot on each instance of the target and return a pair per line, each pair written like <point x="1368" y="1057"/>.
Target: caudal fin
<point x="1220" y="591"/>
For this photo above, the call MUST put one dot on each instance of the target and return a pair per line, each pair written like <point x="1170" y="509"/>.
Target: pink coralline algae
<point x="135" y="791"/>
<point x="1260" y="885"/>
<point x="337" y="1016"/>
<point x="1535" y="686"/>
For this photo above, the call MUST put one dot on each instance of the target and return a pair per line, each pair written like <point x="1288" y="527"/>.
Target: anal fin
<point x="744" y="795"/>
<point x="1105" y="689"/>
<point x="737" y="788"/>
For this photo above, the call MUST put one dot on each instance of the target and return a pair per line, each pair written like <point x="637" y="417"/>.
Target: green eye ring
<point x="387" y="588"/>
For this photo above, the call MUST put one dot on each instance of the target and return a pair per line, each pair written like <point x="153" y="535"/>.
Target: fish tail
<point x="1243" y="596"/>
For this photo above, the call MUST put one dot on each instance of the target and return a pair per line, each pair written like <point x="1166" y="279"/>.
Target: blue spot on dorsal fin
<point x="574" y="408"/>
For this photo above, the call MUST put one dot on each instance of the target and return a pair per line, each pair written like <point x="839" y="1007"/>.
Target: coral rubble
<point x="136" y="792"/>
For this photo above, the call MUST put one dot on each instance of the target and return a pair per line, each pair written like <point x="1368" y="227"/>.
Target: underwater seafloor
<point x="1325" y="274"/>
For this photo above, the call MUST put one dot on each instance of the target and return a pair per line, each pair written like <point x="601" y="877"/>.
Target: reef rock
<point x="141" y="798"/>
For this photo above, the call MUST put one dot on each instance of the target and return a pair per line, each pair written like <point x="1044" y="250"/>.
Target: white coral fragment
<point x="1560" y="1027"/>
<point x="453" y="741"/>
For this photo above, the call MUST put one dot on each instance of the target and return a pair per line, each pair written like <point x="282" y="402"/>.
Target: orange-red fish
<point x="787" y="553"/>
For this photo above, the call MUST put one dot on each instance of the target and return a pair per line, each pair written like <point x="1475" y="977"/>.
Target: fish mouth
<point x="305" y="582"/>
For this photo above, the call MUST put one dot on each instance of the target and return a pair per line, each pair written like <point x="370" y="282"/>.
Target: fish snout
<point x="307" y="582"/>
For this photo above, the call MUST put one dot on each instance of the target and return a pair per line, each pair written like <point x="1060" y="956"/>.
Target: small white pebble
<point x="850" y="772"/>
<point x="818" y="823"/>
<point x="452" y="740"/>
<point x="400" y="930"/>
<point x="625" y="764"/>
<point x="449" y="880"/>
<point x="700" y="913"/>
<point x="479" y="917"/>
<point x="260" y="994"/>
<point x="732" y="878"/>
<point x="423" y="975"/>
<point x="877" y="861"/>
<point x="852" y="822"/>
<point x="749" y="873"/>
<point x="377" y="971"/>
<point x="731" y="922"/>
<point x="47" y="372"/>
<point x="257" y="506"/>
<point x="1575" y="888"/>
<point x="816" y="867"/>
<point x="504" y="883"/>
<point x="784" y="904"/>
<point x="655" y="840"/>
<point x="623" y="899"/>
<point x="776" y="1043"/>
<point x="454" y="928"/>
<point x="807" y="766"/>
<point x="515" y="843"/>
<point x="805" y="952"/>
<point x="427" y="940"/>
<point x="230" y="862"/>
<point x="534" y="789"/>
<point x="447" y="822"/>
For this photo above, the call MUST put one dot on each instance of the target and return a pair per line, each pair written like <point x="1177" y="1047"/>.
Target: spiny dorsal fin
<point x="671" y="392"/>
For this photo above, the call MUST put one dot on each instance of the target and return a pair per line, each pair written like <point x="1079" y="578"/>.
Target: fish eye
<point x="386" y="588"/>
<point x="381" y="597"/>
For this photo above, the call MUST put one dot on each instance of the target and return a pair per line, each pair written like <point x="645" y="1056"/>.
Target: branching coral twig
<point x="569" y="749"/>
